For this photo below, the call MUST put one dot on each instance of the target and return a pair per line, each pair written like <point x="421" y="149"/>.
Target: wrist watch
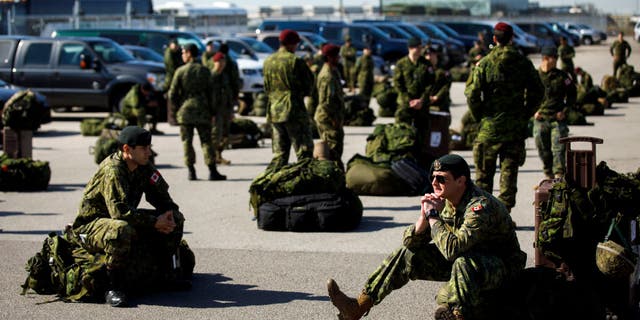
<point x="433" y="213"/>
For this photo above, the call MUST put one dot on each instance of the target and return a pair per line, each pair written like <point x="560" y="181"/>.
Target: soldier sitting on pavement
<point x="109" y="221"/>
<point x="464" y="236"/>
<point x="140" y="103"/>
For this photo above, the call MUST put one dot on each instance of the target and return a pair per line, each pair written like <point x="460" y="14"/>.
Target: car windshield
<point x="110" y="52"/>
<point x="446" y="29"/>
<point x="394" y="31"/>
<point x="414" y="31"/>
<point x="3" y="84"/>
<point x="257" y="46"/>
<point x="439" y="34"/>
<point x="148" y="55"/>
<point x="315" y="39"/>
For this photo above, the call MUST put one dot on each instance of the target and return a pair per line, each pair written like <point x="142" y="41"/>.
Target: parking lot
<point x="246" y="273"/>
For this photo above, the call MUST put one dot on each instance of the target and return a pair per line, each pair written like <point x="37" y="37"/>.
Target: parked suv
<point x="587" y="35"/>
<point x="85" y="72"/>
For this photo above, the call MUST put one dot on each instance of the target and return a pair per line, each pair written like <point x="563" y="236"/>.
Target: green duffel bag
<point x="592" y="109"/>
<point x="22" y="111"/>
<point x="244" y="133"/>
<point x="23" y="174"/>
<point x="91" y="127"/>
<point x="576" y="118"/>
<point x="365" y="177"/>
<point x="386" y="97"/>
<point x="106" y="144"/>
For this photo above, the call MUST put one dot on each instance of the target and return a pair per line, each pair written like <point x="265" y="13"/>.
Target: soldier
<point x="207" y="55"/>
<point x="222" y="101"/>
<point x="364" y="74"/>
<point x="138" y="103"/>
<point x="172" y="60"/>
<point x="109" y="222"/>
<point x="584" y="79"/>
<point x="566" y="54"/>
<point x="311" y="103"/>
<point x="463" y="236"/>
<point x="348" y="55"/>
<point x="620" y="50"/>
<point x="476" y="53"/>
<point x="287" y="80"/>
<point x="412" y="80"/>
<point x="550" y="118"/>
<point x="191" y="94"/>
<point x="503" y="94"/>
<point x="439" y="98"/>
<point x="318" y="59"/>
<point x="329" y="116"/>
<point x="232" y="72"/>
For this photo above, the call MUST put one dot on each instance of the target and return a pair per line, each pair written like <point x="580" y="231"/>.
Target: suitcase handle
<point x="569" y="140"/>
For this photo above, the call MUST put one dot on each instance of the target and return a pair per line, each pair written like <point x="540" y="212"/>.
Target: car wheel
<point x="588" y="41"/>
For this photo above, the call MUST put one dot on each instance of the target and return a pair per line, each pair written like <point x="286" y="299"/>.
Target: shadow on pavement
<point x="55" y="134"/>
<point x="525" y="228"/>
<point x="410" y="208"/>
<point x="213" y="291"/>
<point x="65" y="187"/>
<point x="369" y="224"/>
<point x="29" y="232"/>
<point x="20" y="213"/>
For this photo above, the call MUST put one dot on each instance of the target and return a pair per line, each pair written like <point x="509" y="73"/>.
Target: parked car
<point x="250" y="71"/>
<point x="573" y="39"/>
<point x="245" y="47"/>
<point x="636" y="31"/>
<point x="75" y="71"/>
<point x="8" y="90"/>
<point x="472" y="28"/>
<point x="309" y="41"/>
<point x="545" y="32"/>
<point x="144" y="53"/>
<point x="588" y="35"/>
<point x="454" y="48"/>
<point x="467" y="40"/>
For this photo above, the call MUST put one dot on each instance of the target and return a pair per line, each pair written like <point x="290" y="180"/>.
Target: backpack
<point x="91" y="127"/>
<point x="416" y="177"/>
<point x="357" y="113"/>
<point x="366" y="177"/>
<point x="22" y="111"/>
<point x="244" y="133"/>
<point x="386" y="97"/>
<point x="23" y="174"/>
<point x="106" y="144"/>
<point x="390" y="142"/>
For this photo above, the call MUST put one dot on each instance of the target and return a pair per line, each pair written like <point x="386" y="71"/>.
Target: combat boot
<point x="115" y="296"/>
<point x="214" y="174"/>
<point x="445" y="313"/>
<point x="350" y="308"/>
<point x="221" y="160"/>
<point x="192" y="173"/>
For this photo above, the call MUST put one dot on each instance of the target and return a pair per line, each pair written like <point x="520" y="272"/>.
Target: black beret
<point x="549" y="51"/>
<point x="414" y="42"/>
<point x="192" y="48"/>
<point x="452" y="163"/>
<point x="134" y="136"/>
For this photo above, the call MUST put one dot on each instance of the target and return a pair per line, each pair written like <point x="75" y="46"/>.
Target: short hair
<point x="503" y="32"/>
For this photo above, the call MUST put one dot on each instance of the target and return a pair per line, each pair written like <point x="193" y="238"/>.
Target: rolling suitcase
<point x="439" y="136"/>
<point x="581" y="169"/>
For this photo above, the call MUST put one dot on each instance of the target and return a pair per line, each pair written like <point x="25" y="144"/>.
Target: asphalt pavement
<point x="246" y="273"/>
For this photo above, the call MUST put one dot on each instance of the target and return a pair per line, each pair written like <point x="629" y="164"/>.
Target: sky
<point x="606" y="6"/>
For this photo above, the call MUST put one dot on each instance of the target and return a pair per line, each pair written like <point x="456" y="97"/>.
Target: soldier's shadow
<point x="215" y="291"/>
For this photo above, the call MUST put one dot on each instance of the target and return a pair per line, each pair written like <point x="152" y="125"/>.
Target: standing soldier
<point x="191" y="96"/>
<point x="348" y="55"/>
<point x="312" y="100"/>
<point x="550" y="120"/>
<point x="439" y="98"/>
<point x="566" y="53"/>
<point x="476" y="53"/>
<point x="172" y="60"/>
<point x="502" y="94"/>
<point x="329" y="116"/>
<point x="137" y="104"/>
<point x="364" y="74"/>
<point x="233" y="73"/>
<point x="287" y="80"/>
<point x="207" y="55"/>
<point x="412" y="80"/>
<point x="222" y="101"/>
<point x="620" y="50"/>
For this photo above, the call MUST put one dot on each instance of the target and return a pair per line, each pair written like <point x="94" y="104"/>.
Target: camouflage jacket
<point x="330" y="97"/>
<point x="364" y="71"/>
<point x="348" y="55"/>
<point x="586" y="81"/>
<point x="620" y="50"/>
<point x="191" y="93"/>
<point x="440" y="89"/>
<point x="133" y="104"/>
<point x="207" y="59"/>
<point x="222" y="95"/>
<point x="502" y="94"/>
<point x="233" y="74"/>
<point x="318" y="62"/>
<point x="287" y="80"/>
<point x="559" y="92"/>
<point x="474" y="53"/>
<point x="413" y="80"/>
<point x="172" y="60"/>
<point x="115" y="192"/>
<point x="479" y="224"/>
<point x="566" y="53"/>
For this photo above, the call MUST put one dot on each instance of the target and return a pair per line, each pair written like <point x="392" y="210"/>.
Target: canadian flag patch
<point x="567" y="82"/>
<point x="155" y="177"/>
<point x="477" y="208"/>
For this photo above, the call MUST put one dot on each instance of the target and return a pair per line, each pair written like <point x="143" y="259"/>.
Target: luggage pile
<point x="306" y="196"/>
<point x="23" y="174"/>
<point x="244" y="133"/>
<point x="386" y="96"/>
<point x="357" y="111"/>
<point x="93" y="127"/>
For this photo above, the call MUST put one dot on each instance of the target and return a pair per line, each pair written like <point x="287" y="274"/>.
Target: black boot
<point x="214" y="174"/>
<point x="192" y="173"/>
<point x="115" y="296"/>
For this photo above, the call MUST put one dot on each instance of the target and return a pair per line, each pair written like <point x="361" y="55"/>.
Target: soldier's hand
<point x="165" y="223"/>
<point x="415" y="104"/>
<point x="537" y="116"/>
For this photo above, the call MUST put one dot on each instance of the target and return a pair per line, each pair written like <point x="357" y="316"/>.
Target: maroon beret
<point x="288" y="36"/>
<point x="331" y="50"/>
<point x="218" y="56"/>
<point x="504" y="27"/>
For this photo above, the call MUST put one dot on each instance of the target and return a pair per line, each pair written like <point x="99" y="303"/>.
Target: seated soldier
<point x="140" y="103"/>
<point x="464" y="236"/>
<point x="109" y="222"/>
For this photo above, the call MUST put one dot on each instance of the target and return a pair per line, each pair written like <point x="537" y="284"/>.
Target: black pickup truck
<point x="75" y="72"/>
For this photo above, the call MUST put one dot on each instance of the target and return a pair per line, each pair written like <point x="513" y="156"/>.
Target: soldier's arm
<point x="114" y="190"/>
<point x="534" y="90"/>
<point x="473" y="92"/>
<point x="157" y="192"/>
<point x="210" y="97"/>
<point x="429" y="79"/>
<point x="235" y="81"/>
<point x="304" y="77"/>
<point x="399" y="83"/>
<point x="412" y="240"/>
<point x="453" y="243"/>
<point x="628" y="50"/>
<point x="175" y="91"/>
<point x="443" y="85"/>
<point x="570" y="99"/>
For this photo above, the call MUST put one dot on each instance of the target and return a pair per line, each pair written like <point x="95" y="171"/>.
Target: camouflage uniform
<point x="560" y="95"/>
<point x="348" y="58"/>
<point x="222" y="100"/>
<point x="134" y="107"/>
<point x="413" y="81"/>
<point x="172" y="60"/>
<point x="474" y="249"/>
<point x="207" y="59"/>
<point x="620" y="50"/>
<point x="364" y="75"/>
<point x="108" y="220"/>
<point x="287" y="80"/>
<point x="566" y="53"/>
<point x="440" y="89"/>
<point x="191" y="94"/>
<point x="329" y="116"/>
<point x="312" y="100"/>
<point x="473" y="53"/>
<point x="502" y="95"/>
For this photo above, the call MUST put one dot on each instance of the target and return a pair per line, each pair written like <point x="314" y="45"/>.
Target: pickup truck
<point x="85" y="72"/>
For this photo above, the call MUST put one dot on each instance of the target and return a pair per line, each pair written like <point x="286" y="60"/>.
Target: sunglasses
<point x="439" y="179"/>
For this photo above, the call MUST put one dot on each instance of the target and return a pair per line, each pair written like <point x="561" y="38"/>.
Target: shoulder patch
<point x="477" y="208"/>
<point x="567" y="81"/>
<point x="155" y="177"/>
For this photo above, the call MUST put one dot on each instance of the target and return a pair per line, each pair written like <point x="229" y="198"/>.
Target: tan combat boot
<point x="350" y="308"/>
<point x="445" y="313"/>
<point x="220" y="160"/>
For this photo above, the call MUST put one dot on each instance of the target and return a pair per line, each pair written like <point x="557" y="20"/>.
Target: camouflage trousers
<point x="511" y="155"/>
<point x="311" y="105"/>
<point x="617" y="63"/>
<point x="285" y="134"/>
<point x="221" y="129"/>
<point x="470" y="279"/>
<point x="204" y="132"/>
<point x="115" y="238"/>
<point x="333" y="136"/>
<point x="547" y="134"/>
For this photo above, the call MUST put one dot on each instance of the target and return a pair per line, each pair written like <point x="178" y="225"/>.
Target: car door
<point x="33" y="65"/>
<point x="77" y="85"/>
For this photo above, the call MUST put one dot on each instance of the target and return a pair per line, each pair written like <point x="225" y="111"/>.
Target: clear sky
<point x="607" y="6"/>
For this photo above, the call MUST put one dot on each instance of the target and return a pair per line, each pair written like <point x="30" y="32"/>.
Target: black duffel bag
<point x="312" y="212"/>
